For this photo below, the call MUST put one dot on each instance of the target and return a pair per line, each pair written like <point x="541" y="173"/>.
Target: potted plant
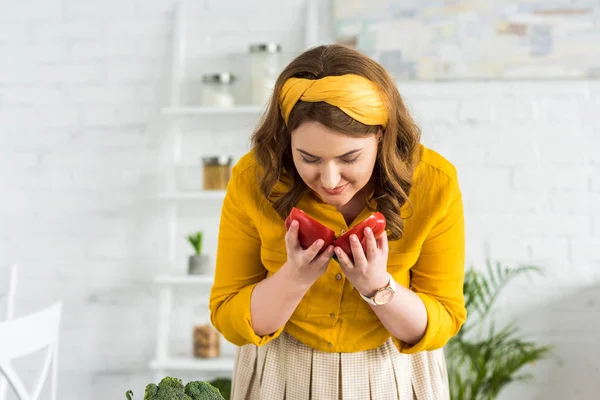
<point x="483" y="360"/>
<point x="199" y="264"/>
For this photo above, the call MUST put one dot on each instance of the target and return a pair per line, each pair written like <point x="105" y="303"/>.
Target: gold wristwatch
<point x="382" y="296"/>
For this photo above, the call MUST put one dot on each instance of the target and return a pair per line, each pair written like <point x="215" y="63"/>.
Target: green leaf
<point x="481" y="360"/>
<point x="196" y="242"/>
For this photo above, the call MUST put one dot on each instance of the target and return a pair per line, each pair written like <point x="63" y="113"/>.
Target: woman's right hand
<point x="306" y="265"/>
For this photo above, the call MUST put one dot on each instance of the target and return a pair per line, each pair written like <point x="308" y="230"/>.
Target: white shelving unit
<point x="168" y="282"/>
<point x="164" y="361"/>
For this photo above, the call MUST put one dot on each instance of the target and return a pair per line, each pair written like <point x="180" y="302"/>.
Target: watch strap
<point x="371" y="300"/>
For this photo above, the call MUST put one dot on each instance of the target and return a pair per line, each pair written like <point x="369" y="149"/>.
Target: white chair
<point x="26" y="335"/>
<point x="9" y="313"/>
<point x="12" y="291"/>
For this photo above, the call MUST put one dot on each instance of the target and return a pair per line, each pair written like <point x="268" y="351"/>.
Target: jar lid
<point x="222" y="77"/>
<point x="217" y="160"/>
<point x="265" y="48"/>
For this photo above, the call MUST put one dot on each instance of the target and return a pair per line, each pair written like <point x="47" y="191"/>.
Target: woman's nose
<point x="330" y="176"/>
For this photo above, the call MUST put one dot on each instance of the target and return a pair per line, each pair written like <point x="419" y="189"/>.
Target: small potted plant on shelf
<point x="198" y="262"/>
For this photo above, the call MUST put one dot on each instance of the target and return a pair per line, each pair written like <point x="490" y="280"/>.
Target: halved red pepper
<point x="311" y="230"/>
<point x="377" y="224"/>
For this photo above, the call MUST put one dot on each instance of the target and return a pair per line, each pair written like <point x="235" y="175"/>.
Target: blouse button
<point x="329" y="344"/>
<point x="342" y="231"/>
<point x="338" y="276"/>
<point x="332" y="315"/>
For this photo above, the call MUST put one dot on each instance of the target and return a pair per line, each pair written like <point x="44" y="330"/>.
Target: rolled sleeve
<point x="236" y="321"/>
<point x="238" y="267"/>
<point x="438" y="276"/>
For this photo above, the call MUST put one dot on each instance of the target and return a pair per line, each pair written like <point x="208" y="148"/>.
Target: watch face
<point x="383" y="296"/>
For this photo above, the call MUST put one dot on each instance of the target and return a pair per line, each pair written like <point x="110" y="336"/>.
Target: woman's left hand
<point x="368" y="272"/>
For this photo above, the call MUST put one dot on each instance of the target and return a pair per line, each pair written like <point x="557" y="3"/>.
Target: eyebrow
<point x="343" y="155"/>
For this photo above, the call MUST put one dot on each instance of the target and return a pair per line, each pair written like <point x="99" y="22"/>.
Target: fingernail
<point x="354" y="238"/>
<point x="330" y="249"/>
<point x="338" y="252"/>
<point x="320" y="242"/>
<point x="368" y="231"/>
<point x="294" y="223"/>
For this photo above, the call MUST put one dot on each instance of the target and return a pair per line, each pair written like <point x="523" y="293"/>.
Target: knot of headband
<point x="355" y="95"/>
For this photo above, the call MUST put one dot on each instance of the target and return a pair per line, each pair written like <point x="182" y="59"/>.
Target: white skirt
<point x="286" y="369"/>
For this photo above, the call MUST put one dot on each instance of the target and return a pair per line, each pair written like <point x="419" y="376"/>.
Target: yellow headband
<point x="355" y="95"/>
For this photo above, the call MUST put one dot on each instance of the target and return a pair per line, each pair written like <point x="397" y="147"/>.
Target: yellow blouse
<point x="332" y="317"/>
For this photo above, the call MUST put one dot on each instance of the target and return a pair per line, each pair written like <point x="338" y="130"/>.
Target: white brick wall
<point x="80" y="82"/>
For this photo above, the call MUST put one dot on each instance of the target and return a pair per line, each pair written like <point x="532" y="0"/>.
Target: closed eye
<point x="316" y="160"/>
<point x="306" y="160"/>
<point x="346" y="161"/>
<point x="312" y="159"/>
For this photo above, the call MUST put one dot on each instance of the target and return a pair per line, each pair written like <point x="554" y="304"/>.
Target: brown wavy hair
<point x="397" y="151"/>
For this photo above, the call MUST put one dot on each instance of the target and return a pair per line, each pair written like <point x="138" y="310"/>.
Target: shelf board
<point x="221" y="364"/>
<point x="199" y="195"/>
<point x="202" y="110"/>
<point x="183" y="279"/>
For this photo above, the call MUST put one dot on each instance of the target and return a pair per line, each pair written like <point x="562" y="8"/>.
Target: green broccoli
<point x="169" y="393"/>
<point x="224" y="386"/>
<point x="175" y="383"/>
<point x="168" y="389"/>
<point x="173" y="389"/>
<point x="198" y="390"/>
<point x="151" y="391"/>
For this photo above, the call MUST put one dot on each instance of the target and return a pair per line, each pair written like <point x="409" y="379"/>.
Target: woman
<point x="338" y="143"/>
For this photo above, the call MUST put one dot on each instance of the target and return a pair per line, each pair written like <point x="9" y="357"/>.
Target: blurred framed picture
<point x="477" y="39"/>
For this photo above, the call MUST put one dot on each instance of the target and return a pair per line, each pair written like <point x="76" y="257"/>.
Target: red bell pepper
<point x="377" y="224"/>
<point x="311" y="230"/>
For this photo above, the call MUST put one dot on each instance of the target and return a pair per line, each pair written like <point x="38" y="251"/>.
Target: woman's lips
<point x="335" y="191"/>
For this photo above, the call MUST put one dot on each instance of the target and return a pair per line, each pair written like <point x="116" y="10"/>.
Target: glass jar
<point x="218" y="90"/>
<point x="206" y="341"/>
<point x="265" y="65"/>
<point x="205" y="338"/>
<point x="217" y="171"/>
